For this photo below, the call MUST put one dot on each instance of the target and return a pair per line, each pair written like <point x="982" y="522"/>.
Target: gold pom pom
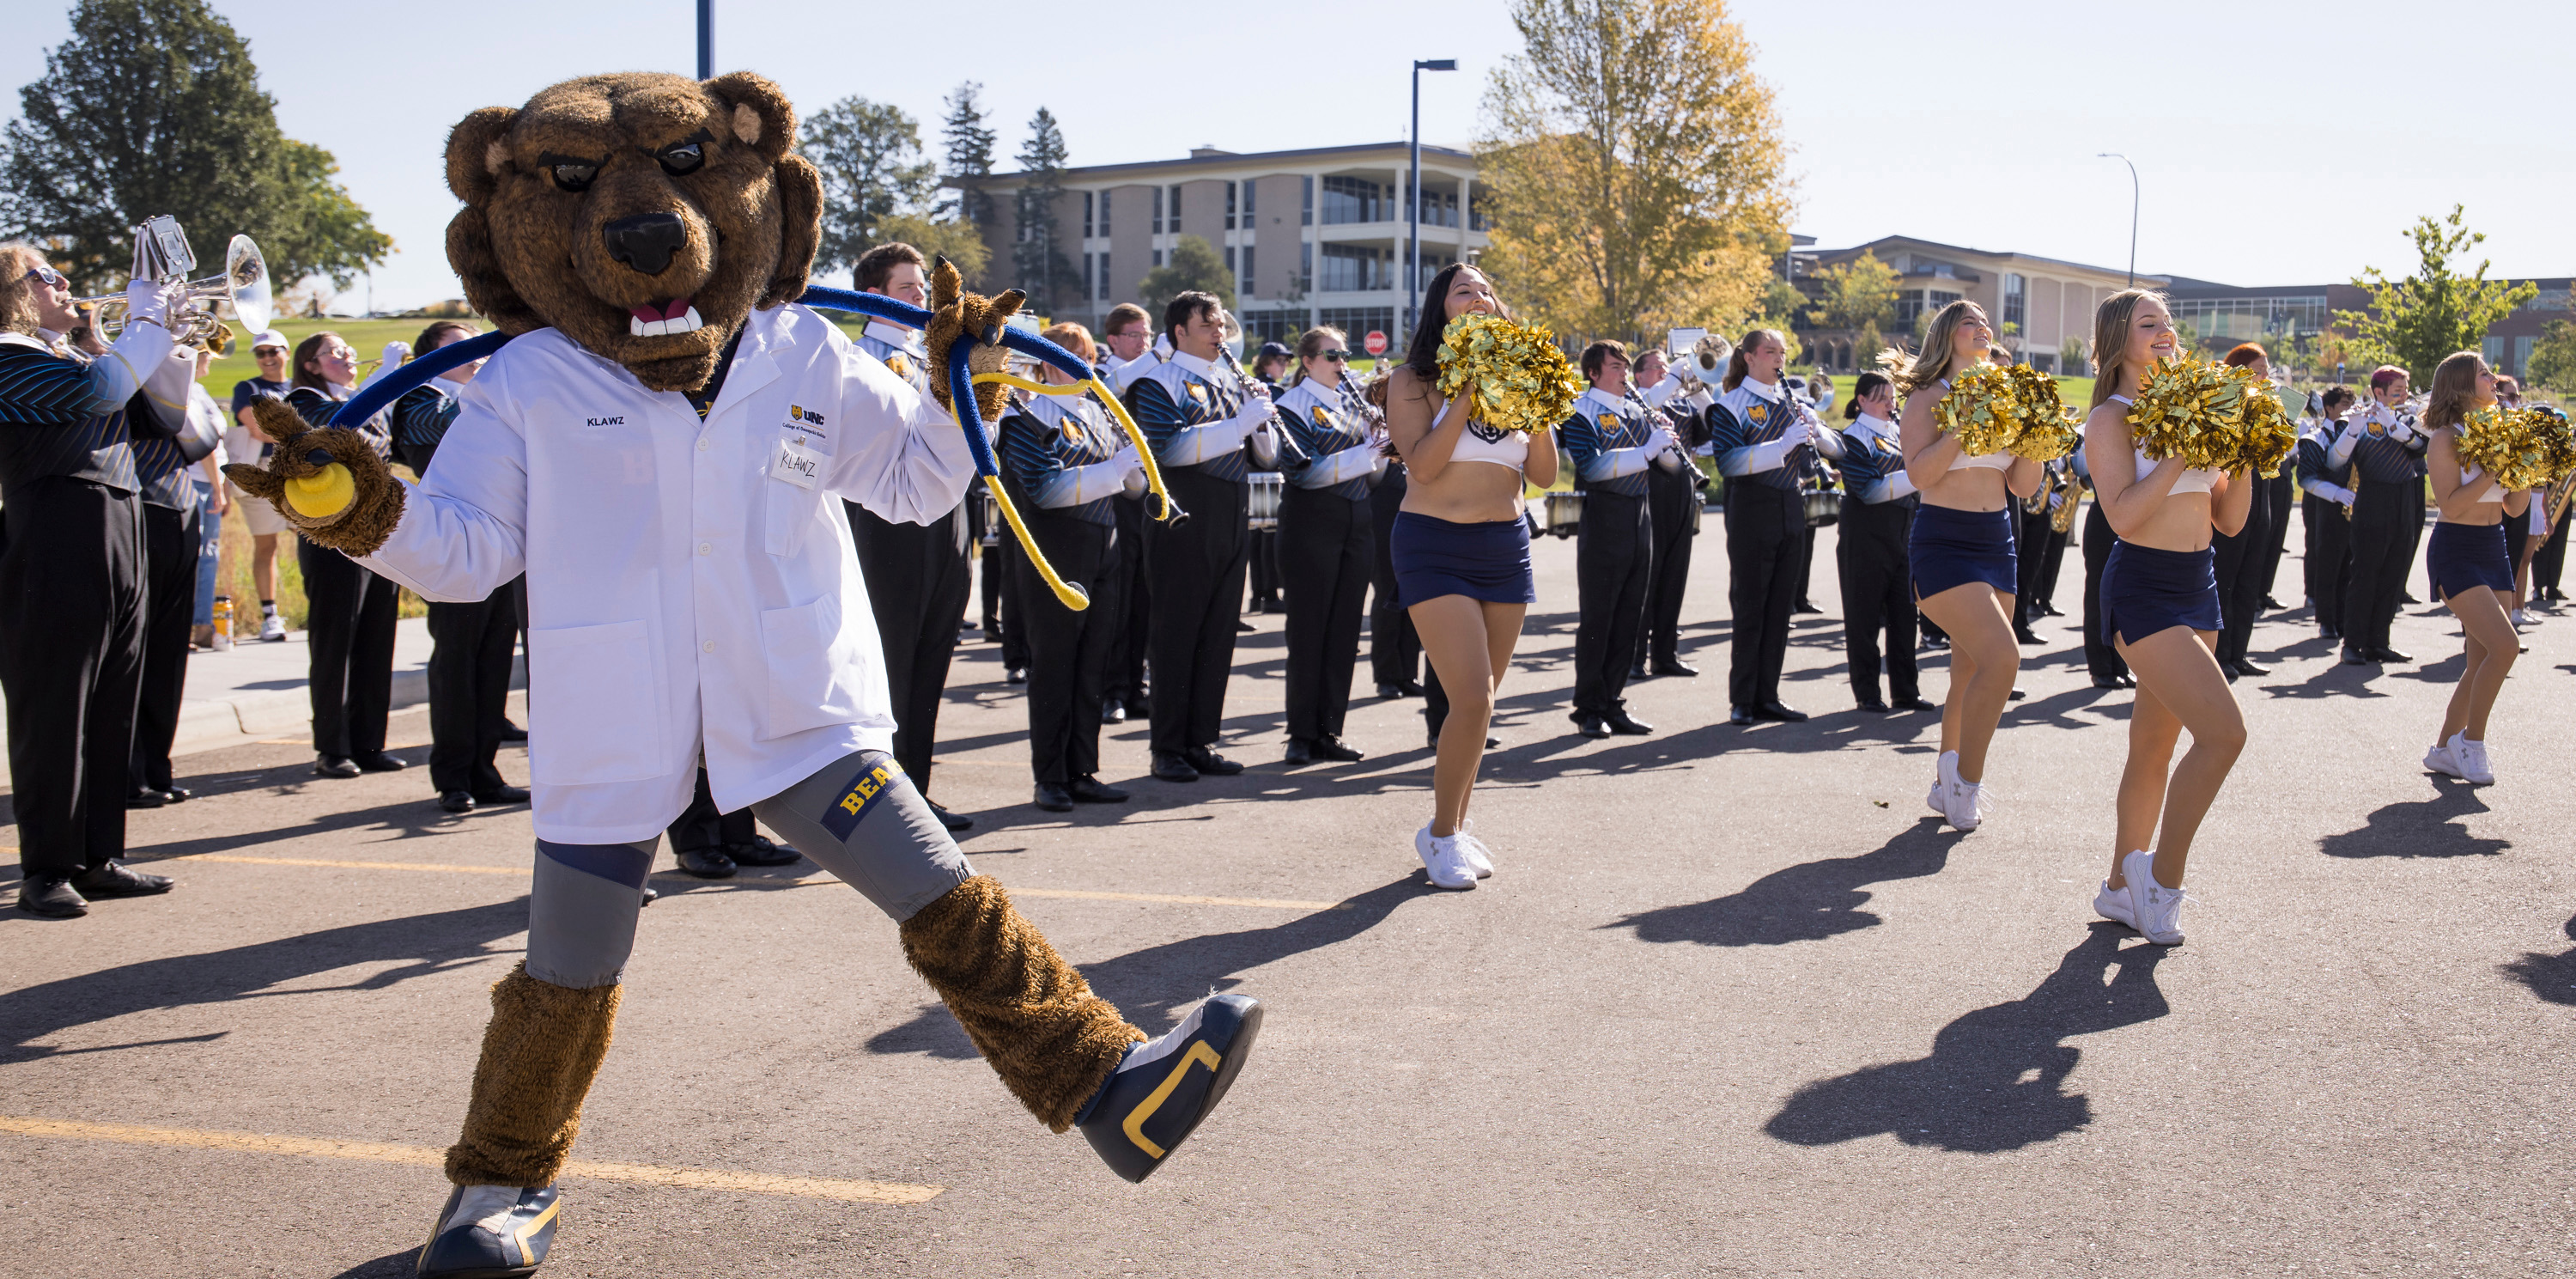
<point x="1516" y="377"/>
<point x="2527" y="448"/>
<point x="2193" y="410"/>
<point x="1979" y="410"/>
<point x="2049" y="429"/>
<point x="2266" y="434"/>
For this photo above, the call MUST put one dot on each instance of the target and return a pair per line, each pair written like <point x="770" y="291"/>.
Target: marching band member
<point x="1961" y="556"/>
<point x="1327" y="545"/>
<point x="1133" y="352"/>
<point x="171" y="541"/>
<point x="2324" y="512"/>
<point x="917" y="573"/>
<point x="1129" y="333"/>
<point x="349" y="623"/>
<point x="1462" y="559"/>
<point x="1611" y="444"/>
<point x="1674" y="496"/>
<point x="1869" y="555"/>
<point x="2102" y="661"/>
<point x="2471" y="567"/>
<point x="2387" y="453"/>
<point x="1065" y="463"/>
<point x="2160" y="602"/>
<point x="1202" y="422"/>
<point x="1269" y="364"/>
<point x="1764" y="439"/>
<point x="2242" y="558"/>
<point x="2031" y="535"/>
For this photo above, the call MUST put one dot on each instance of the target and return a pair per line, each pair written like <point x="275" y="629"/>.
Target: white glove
<point x="1132" y="480"/>
<point x="1254" y="414"/>
<point x="151" y="300"/>
<point x="396" y="353"/>
<point x="2338" y="492"/>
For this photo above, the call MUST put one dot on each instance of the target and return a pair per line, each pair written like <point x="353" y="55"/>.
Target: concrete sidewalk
<point x="258" y="690"/>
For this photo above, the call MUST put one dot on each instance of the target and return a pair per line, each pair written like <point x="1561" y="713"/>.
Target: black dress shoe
<point x="2329" y="633"/>
<point x="2408" y="597"/>
<point x="1209" y="763"/>
<point x="178" y="794"/>
<point x="705" y="863"/>
<point x="2025" y="635"/>
<point x="1872" y="705"/>
<point x="1804" y="606"/>
<point x="1170" y="767"/>
<point x="1638" y="675"/>
<point x="335" y="766"/>
<point x="504" y="794"/>
<point x="1015" y="675"/>
<point x="1591" y="725"/>
<point x="1674" y="666"/>
<point x="1053" y="798"/>
<point x="1624" y="725"/>
<point x="2273" y="604"/>
<point x="2108" y="682"/>
<point x="2247" y="667"/>
<point x="1776" y="711"/>
<point x="2128" y="680"/>
<point x="2358" y="655"/>
<point x="377" y="762"/>
<point x="1241" y="626"/>
<point x="2228" y="669"/>
<point x="1389" y="692"/>
<point x="1165" y="1088"/>
<point x="1113" y="712"/>
<point x="1298" y="755"/>
<point x="145" y="797"/>
<point x="116" y="879"/>
<point x="951" y="822"/>
<point x="1915" y="703"/>
<point x="1089" y="790"/>
<point x="490" y="1230"/>
<point x="51" y="896"/>
<point x="512" y="733"/>
<point x="763" y="851"/>
<point x="1412" y="688"/>
<point x="2015" y="695"/>
<point x="1339" y="751"/>
<point x="456" y="801"/>
<point x="2387" y="654"/>
<point x="1139" y="706"/>
<point x="1740" y="715"/>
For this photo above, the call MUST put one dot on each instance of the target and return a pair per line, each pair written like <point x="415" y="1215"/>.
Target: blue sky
<point x="2271" y="148"/>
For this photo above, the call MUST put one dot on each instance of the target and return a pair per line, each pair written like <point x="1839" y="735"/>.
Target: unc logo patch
<point x="799" y="413"/>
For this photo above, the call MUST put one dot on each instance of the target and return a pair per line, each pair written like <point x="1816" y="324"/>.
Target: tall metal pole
<point x="1413" y="248"/>
<point x="706" y="39"/>
<point x="2133" y="210"/>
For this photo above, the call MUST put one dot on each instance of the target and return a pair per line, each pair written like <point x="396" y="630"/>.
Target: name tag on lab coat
<point x="796" y="464"/>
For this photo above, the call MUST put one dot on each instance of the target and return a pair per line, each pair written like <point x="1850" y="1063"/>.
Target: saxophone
<point x="2062" y="519"/>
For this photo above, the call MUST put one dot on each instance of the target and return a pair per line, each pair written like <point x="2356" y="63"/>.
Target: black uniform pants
<point x="1135" y="620"/>
<point x="1069" y="651"/>
<point x="2051" y="559"/>
<point x="170" y="544"/>
<point x="1327" y="546"/>
<point x="1878" y="595"/>
<point x="2282" y="492"/>
<point x="2241" y="562"/>
<point x="2030" y="560"/>
<point x="2549" y="563"/>
<point x="701" y="827"/>
<point x="917" y="587"/>
<point x="1395" y="651"/>
<point x="1197" y="572"/>
<point x="1766" y="536"/>
<point x="2102" y="660"/>
<point x="1262" y="566"/>
<point x="73" y="557"/>
<point x="2383" y="546"/>
<point x="1673" y="502"/>
<point x="2328" y="570"/>
<point x="1005" y="620"/>
<point x="469" y="689"/>
<point x="1614" y="556"/>
<point x="349" y="626"/>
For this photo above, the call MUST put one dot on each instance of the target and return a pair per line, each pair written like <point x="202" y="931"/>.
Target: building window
<point x="1158" y="210"/>
<point x="2493" y="349"/>
<point x="1172" y="210"/>
<point x="1229" y="204"/>
<point x="1348" y="200"/>
<point x="1104" y="215"/>
<point x="1229" y="263"/>
<point x="1248" y="189"/>
<point x="1090" y="281"/>
<point x="1358" y="321"/>
<point x="1305" y="265"/>
<point x="1158" y="257"/>
<point x="2016" y="302"/>
<point x="1243" y="282"/>
<point x="1476" y="211"/>
<point x="1103" y="295"/>
<point x="1355" y="268"/>
<point x="1306" y="201"/>
<point x="1086" y="215"/>
<point x="1282" y="327"/>
<point x="2522" y="355"/>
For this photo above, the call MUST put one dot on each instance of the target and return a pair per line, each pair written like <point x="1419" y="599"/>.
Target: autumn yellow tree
<point x="1634" y="168"/>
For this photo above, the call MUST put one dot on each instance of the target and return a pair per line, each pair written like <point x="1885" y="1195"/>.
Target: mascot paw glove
<point x="328" y="483"/>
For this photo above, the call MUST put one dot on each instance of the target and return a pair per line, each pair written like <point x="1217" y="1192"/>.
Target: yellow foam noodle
<point x="324" y="493"/>
<point x="1164" y="509"/>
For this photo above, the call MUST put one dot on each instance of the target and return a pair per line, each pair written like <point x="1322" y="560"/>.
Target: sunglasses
<point x="1336" y="355"/>
<point x="48" y="276"/>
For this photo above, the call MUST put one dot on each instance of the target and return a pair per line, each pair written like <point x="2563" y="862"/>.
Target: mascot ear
<point x="487" y="286"/>
<point x="800" y="232"/>
<point x="476" y="157"/>
<point x="756" y="112"/>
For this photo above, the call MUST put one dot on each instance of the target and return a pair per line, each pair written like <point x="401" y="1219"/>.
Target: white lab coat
<point x="683" y="594"/>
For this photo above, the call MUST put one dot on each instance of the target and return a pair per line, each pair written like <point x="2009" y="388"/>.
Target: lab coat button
<point x="704" y="445"/>
<point x="706" y="548"/>
<point x="709" y="646"/>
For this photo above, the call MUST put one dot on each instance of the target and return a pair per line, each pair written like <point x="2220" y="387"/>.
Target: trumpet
<point x="1706" y="363"/>
<point x="161" y="253"/>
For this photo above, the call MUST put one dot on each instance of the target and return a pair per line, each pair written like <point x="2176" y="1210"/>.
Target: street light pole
<point x="2133" y="211"/>
<point x="1413" y="250"/>
<point x="706" y="39"/>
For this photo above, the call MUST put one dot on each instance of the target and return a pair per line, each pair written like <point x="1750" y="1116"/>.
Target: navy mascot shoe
<point x="491" y="1232"/>
<point x="1164" y="1087"/>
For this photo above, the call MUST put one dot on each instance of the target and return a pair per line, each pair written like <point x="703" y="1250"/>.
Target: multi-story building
<point x="2286" y="315"/>
<point x="2037" y="303"/>
<point x="1312" y="237"/>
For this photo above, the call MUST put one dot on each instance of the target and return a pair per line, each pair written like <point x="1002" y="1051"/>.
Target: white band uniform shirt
<point x="1334" y="444"/>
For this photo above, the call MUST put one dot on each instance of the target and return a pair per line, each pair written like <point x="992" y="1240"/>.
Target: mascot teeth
<point x="675" y="316"/>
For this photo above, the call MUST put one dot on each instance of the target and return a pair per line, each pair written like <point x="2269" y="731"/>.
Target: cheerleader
<point x="2160" y="608"/>
<point x="1327" y="544"/>
<point x="2471" y="569"/>
<point x="1961" y="553"/>
<point x="1869" y="553"/>
<point x="1462" y="558"/>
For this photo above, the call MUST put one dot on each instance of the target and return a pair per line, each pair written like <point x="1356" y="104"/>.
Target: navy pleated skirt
<point x="1488" y="560"/>
<point x="1950" y="548"/>
<point x="2461" y="556"/>
<point x="2146" y="591"/>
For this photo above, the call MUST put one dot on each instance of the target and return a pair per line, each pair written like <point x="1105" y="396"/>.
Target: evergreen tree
<point x="154" y="106"/>
<point x="873" y="171"/>
<point x="1039" y="263"/>
<point x="970" y="153"/>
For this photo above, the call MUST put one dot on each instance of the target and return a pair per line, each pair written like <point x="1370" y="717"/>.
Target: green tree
<point x="969" y="142"/>
<point x="2553" y="358"/>
<point x="2416" y="322"/>
<point x="959" y="242"/>
<point x="870" y="157"/>
<point x="1039" y="264"/>
<point x="1859" y="294"/>
<point x="2070" y="356"/>
<point x="154" y="106"/>
<point x="1634" y="168"/>
<point x="1192" y="264"/>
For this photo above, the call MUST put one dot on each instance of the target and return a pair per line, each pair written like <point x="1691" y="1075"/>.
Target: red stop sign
<point x="1375" y="341"/>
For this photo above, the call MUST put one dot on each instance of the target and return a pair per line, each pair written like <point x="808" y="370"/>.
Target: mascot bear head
<point x="644" y="215"/>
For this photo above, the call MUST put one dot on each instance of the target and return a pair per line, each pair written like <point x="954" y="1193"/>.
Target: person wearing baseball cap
<point x="269" y="348"/>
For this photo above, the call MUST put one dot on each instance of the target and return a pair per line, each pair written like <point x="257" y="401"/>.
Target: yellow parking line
<point x="1273" y="903"/>
<point x="847" y="1191"/>
<point x="520" y="871"/>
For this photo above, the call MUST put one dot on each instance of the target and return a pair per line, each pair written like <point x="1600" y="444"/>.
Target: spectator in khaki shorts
<point x="246" y="444"/>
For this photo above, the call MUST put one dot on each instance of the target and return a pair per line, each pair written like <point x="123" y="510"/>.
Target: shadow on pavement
<point x="2419" y="828"/>
<point x="419" y="945"/>
<point x="1152" y="986"/>
<point x="392" y="1265"/>
<point x="1996" y="1078"/>
<point x="2551" y="977"/>
<point x="1808" y="902"/>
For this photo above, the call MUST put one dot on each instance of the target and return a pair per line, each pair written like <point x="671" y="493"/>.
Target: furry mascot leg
<point x="543" y="1047"/>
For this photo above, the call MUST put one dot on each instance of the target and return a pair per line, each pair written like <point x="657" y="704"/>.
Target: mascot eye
<point x="683" y="158"/>
<point x="575" y="177"/>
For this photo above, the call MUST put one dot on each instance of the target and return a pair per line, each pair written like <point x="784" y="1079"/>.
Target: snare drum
<point x="990" y="507"/>
<point x="1564" y="513"/>
<point x="1267" y="487"/>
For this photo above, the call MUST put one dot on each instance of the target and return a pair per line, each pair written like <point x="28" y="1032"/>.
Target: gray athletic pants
<point x="860" y="818"/>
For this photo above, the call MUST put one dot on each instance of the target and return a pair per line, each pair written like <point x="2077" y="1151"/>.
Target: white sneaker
<point x="2442" y="760"/>
<point x="1967" y="803"/>
<point x="272" y="627"/>
<point x="1943" y="770"/>
<point x="2113" y="904"/>
<point x="2472" y="759"/>
<point x="2521" y="619"/>
<point x="2156" y="909"/>
<point x="1480" y="859"/>
<point x="1442" y="861"/>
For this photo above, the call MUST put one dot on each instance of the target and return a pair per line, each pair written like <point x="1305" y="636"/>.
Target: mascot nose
<point x="646" y="241"/>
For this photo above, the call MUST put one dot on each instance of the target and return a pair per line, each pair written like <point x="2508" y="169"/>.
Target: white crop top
<point x="1979" y="461"/>
<point x="2470" y="475"/>
<point x="1478" y="442"/>
<point x="2192" y="480"/>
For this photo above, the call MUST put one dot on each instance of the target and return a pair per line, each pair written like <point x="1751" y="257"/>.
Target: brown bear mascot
<point x="662" y="449"/>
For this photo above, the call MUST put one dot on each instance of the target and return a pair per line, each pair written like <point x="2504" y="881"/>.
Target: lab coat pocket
<point x="598" y="705"/>
<point x="789" y="512"/>
<point x="819" y="672"/>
